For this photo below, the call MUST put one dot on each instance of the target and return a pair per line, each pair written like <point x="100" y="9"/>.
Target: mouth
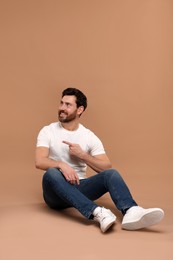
<point x="62" y="114"/>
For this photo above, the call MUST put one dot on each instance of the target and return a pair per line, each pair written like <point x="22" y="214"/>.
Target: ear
<point x="80" y="110"/>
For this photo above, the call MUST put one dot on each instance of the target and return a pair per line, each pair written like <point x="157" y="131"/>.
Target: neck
<point x="70" y="126"/>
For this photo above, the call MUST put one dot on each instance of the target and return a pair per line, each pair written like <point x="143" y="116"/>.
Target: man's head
<point x="81" y="99"/>
<point x="72" y="105"/>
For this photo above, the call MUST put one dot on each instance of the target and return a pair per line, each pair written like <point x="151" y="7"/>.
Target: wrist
<point x="59" y="165"/>
<point x="83" y="156"/>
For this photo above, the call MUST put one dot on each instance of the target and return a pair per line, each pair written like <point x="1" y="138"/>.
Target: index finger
<point x="68" y="143"/>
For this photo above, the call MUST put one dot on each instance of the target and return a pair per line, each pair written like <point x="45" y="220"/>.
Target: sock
<point x="124" y="211"/>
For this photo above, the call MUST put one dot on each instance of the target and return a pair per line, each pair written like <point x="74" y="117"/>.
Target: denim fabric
<point x="59" y="194"/>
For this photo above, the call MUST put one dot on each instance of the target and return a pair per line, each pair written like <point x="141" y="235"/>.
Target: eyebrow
<point x="67" y="103"/>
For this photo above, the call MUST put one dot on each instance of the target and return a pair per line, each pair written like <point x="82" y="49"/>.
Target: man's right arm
<point x="43" y="162"/>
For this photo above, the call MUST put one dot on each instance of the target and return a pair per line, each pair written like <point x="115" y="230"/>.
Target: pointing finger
<point x="68" y="143"/>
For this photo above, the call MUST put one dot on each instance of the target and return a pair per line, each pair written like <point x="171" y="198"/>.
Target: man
<point x="64" y="150"/>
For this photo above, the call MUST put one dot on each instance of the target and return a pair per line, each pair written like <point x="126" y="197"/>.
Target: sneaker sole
<point x="145" y="221"/>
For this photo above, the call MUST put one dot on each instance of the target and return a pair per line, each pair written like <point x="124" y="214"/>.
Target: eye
<point x="68" y="104"/>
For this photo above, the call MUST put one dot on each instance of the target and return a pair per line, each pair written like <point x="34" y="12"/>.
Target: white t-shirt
<point x="51" y="136"/>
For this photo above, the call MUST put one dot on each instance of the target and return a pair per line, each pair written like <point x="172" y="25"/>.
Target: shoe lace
<point x="102" y="214"/>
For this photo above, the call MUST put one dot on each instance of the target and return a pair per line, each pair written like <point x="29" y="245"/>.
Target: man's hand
<point x="75" y="150"/>
<point x="69" y="173"/>
<point x="98" y="162"/>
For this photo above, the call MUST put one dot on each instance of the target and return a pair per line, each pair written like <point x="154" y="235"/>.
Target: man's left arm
<point x="98" y="163"/>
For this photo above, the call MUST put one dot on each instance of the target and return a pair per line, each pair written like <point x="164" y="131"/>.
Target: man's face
<point x="68" y="110"/>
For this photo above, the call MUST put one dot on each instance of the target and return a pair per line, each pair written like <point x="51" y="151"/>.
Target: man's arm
<point x="98" y="163"/>
<point x="43" y="162"/>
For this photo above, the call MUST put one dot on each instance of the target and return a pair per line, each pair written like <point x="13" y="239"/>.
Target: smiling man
<point x="64" y="150"/>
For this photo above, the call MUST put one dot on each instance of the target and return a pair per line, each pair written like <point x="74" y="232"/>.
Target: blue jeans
<point x="59" y="194"/>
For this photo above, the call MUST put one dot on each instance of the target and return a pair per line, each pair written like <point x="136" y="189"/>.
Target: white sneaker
<point x="105" y="217"/>
<point x="137" y="217"/>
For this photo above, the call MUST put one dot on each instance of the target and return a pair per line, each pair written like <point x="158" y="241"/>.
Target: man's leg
<point x="135" y="217"/>
<point x="60" y="194"/>
<point x="108" y="181"/>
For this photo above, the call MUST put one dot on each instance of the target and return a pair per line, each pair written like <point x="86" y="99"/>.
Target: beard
<point x="65" y="118"/>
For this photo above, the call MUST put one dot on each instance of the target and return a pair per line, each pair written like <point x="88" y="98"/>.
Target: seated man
<point x="64" y="150"/>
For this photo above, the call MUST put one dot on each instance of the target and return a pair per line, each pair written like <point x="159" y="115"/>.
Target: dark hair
<point x="81" y="99"/>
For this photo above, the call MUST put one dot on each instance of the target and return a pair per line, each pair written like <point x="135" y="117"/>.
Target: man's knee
<point x="112" y="173"/>
<point x="52" y="174"/>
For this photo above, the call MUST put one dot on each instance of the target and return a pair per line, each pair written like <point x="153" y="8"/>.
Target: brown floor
<point x="29" y="230"/>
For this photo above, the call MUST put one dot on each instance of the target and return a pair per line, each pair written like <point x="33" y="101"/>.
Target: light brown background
<point x="120" y="54"/>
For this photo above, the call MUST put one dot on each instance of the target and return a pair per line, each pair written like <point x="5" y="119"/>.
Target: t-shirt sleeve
<point x="43" y="138"/>
<point x="95" y="145"/>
